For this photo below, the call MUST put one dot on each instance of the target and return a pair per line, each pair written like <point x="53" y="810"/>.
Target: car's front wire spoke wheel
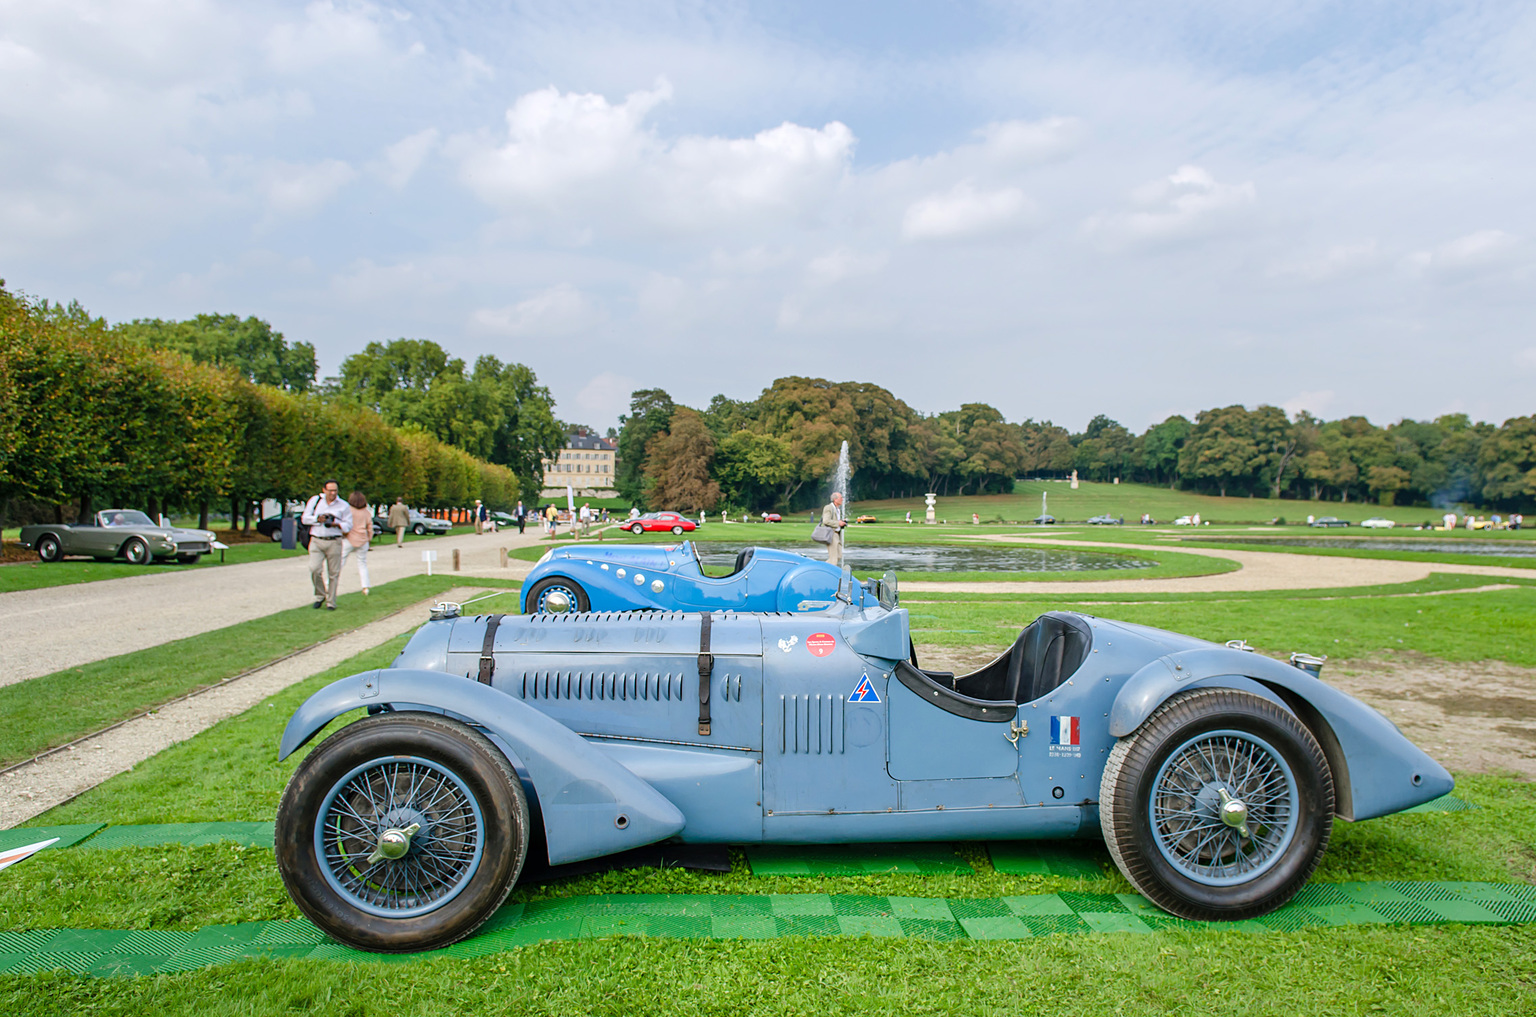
<point x="1219" y="806"/>
<point x="402" y="831"/>
<point x="400" y="837"/>
<point x="137" y="552"/>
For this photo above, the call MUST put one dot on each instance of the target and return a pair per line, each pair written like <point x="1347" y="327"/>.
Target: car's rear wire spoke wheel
<point x="48" y="549"/>
<point x="398" y="794"/>
<point x="1187" y="802"/>
<point x="1219" y="806"/>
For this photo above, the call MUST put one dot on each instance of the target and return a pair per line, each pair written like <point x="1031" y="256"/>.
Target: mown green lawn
<point x="56" y="708"/>
<point x="1130" y="501"/>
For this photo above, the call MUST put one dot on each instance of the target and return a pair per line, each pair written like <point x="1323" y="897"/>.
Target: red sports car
<point x="661" y="522"/>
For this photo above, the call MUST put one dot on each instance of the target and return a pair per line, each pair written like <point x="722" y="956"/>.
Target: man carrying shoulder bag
<point x="329" y="518"/>
<point x="830" y="532"/>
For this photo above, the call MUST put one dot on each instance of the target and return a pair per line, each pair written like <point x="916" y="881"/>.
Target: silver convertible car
<point x="117" y="533"/>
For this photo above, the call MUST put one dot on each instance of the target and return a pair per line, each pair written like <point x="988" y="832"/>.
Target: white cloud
<point x="403" y="158"/>
<point x="328" y="34"/>
<point x="579" y="155"/>
<point x="557" y="140"/>
<point x="301" y="190"/>
<point x="963" y="211"/>
<point x="559" y="311"/>
<point x="1187" y="202"/>
<point x="1315" y="403"/>
<point x="836" y="266"/>
<point x="1339" y="261"/>
<point x="603" y="398"/>
<point x="1466" y="255"/>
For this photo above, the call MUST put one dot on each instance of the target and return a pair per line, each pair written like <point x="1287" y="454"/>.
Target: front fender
<point x="1376" y="770"/>
<point x="592" y="804"/>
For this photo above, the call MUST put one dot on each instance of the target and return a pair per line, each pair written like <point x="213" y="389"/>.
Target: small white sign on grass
<point x="429" y="557"/>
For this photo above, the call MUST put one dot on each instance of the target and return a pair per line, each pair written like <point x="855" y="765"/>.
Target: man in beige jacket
<point x="832" y="515"/>
<point x="399" y="519"/>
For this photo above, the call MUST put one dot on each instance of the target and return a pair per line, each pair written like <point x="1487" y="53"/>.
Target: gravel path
<point x="35" y="788"/>
<point x="47" y="630"/>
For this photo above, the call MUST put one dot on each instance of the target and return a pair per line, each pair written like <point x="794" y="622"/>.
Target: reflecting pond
<point x="1500" y="548"/>
<point x="902" y="558"/>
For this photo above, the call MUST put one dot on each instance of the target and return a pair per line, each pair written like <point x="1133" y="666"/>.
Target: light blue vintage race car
<point x="669" y="577"/>
<point x="1213" y="774"/>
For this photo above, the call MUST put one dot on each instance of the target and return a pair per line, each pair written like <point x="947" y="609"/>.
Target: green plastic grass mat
<point x="1445" y="803"/>
<point x="707" y="916"/>
<point x="1046" y="858"/>
<point x="855" y="859"/>
<point x="68" y="835"/>
<point x="192" y="834"/>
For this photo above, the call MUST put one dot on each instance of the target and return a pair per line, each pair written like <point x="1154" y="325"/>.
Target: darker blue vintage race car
<point x="1214" y="774"/>
<point x="670" y="577"/>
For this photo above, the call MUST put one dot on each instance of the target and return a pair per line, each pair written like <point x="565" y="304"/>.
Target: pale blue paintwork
<point x="772" y="580"/>
<point x="599" y="714"/>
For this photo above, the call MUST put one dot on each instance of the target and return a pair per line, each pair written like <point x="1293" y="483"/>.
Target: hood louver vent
<point x="811" y="725"/>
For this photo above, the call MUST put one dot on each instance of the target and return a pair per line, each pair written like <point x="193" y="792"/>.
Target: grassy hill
<point x="1130" y="501"/>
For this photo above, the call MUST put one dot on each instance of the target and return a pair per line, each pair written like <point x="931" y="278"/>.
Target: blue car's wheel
<point x="557" y="595"/>
<point x="402" y="831"/>
<point x="1219" y="806"/>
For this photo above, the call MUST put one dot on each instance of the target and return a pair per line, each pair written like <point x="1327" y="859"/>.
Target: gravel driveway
<point x="47" y="630"/>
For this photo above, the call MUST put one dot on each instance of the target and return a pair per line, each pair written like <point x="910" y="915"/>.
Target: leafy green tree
<point x="249" y="347"/>
<point x="749" y="468"/>
<point x="1221" y="448"/>
<point x="1507" y="463"/>
<point x="1385" y="481"/>
<point x="1161" y="446"/>
<point x="650" y="413"/>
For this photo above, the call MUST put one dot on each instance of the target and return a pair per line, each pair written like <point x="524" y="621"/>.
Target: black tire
<point x="277" y="536"/>
<point x="189" y="559"/>
<point x="362" y="752"/>
<point x="49" y="548"/>
<point x="1162" y="855"/>
<point x="137" y="552"/>
<point x="677" y="530"/>
<point x="539" y="589"/>
<point x="637" y="529"/>
<point x="418" y="529"/>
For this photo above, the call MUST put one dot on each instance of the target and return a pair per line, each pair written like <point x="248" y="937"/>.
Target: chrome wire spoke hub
<point x="1224" y="807"/>
<point x="399" y="837"/>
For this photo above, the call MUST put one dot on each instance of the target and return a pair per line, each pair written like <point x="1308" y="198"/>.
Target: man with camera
<point x="329" y="518"/>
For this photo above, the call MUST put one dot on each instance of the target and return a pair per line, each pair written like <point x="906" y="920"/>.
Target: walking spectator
<point x="553" y="515"/>
<point x="358" y="537"/>
<point x="482" y="516"/>
<point x="399" y="520"/>
<point x="832" y="515"/>
<point x="328" y="519"/>
<point x="522" y="516"/>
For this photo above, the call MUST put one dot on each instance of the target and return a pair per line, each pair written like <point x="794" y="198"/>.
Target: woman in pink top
<point x="359" y="536"/>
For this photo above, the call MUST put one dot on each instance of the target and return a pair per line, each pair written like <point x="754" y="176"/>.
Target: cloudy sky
<point x="1060" y="209"/>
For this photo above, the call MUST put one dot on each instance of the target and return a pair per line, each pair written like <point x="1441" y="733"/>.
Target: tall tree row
<point x="91" y="415"/>
<point x="779" y="449"/>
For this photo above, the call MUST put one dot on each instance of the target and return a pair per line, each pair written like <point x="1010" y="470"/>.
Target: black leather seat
<point x="742" y="558"/>
<point x="1046" y="654"/>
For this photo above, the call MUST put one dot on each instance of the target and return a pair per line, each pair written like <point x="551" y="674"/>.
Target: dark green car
<point x="118" y="533"/>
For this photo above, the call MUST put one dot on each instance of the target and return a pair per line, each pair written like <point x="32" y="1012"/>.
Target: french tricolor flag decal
<point x="1064" y="730"/>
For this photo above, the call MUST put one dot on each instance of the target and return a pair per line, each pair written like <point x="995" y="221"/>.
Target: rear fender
<point x="592" y="805"/>
<point x="1376" y="770"/>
